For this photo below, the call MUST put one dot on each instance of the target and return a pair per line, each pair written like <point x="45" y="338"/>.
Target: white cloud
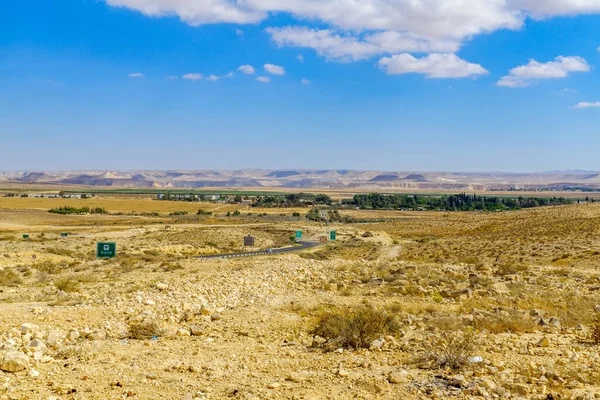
<point x="585" y="104"/>
<point x="172" y="78"/>
<point x="192" y="77"/>
<point x="239" y="32"/>
<point x="548" y="8"/>
<point x="524" y="75"/>
<point x="136" y="75"/>
<point x="426" y="18"/>
<point x="433" y="66"/>
<point x="300" y="58"/>
<point x="347" y="47"/>
<point x="274" y="69"/>
<point x="263" y="79"/>
<point x="360" y="29"/>
<point x="215" y="78"/>
<point x="247" y="69"/>
<point x="195" y="12"/>
<point x="598" y="49"/>
<point x="305" y="81"/>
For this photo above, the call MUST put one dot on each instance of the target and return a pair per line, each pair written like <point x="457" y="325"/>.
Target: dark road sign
<point x="249" y="241"/>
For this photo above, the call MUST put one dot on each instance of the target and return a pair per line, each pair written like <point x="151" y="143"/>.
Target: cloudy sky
<point x="458" y="85"/>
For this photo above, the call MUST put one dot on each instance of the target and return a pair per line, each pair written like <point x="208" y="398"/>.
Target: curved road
<point x="303" y="246"/>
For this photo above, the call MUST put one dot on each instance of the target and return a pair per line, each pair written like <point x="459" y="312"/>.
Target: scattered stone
<point x="99" y="334"/>
<point x="458" y="381"/>
<point x="294" y="377"/>
<point x="273" y="385"/>
<point x="377" y="344"/>
<point x="543" y="342"/>
<point x="342" y="373"/>
<point x="400" y="376"/>
<point x="14" y="361"/>
<point x="196" y="330"/>
<point x="33" y="373"/>
<point x="29" y="328"/>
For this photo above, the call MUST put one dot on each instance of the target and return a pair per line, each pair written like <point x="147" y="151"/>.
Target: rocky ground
<point x="471" y="320"/>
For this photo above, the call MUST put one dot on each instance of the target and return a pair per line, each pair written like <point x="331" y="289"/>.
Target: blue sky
<point x="512" y="85"/>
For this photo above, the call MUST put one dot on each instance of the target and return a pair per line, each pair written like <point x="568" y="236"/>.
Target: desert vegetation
<point x="408" y="305"/>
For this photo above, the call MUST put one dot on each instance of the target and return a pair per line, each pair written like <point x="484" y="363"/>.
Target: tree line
<point x="453" y="202"/>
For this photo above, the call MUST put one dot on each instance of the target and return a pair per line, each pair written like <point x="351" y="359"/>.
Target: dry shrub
<point x="59" y="252"/>
<point x="9" y="277"/>
<point x="594" y="336"/>
<point x="355" y="328"/>
<point x="453" y="350"/>
<point x="511" y="267"/>
<point x="67" y="284"/>
<point x="512" y="321"/>
<point x="48" y="267"/>
<point x="144" y="328"/>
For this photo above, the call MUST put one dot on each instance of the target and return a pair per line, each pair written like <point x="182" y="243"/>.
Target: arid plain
<point x="406" y="305"/>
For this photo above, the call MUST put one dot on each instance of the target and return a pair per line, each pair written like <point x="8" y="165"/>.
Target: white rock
<point x="53" y="338"/>
<point x="29" y="328"/>
<point x="400" y="376"/>
<point x="33" y="373"/>
<point x="14" y="361"/>
<point x="377" y="344"/>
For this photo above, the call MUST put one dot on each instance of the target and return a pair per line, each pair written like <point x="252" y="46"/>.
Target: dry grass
<point x="8" y="277"/>
<point x="354" y="328"/>
<point x="452" y="350"/>
<point x="145" y="328"/>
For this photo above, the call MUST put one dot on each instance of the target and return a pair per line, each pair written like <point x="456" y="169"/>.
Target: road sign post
<point x="332" y="235"/>
<point x="298" y="235"/>
<point x="106" y="250"/>
<point x="248" y="241"/>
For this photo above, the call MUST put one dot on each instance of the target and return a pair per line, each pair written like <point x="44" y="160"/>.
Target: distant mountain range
<point x="299" y="179"/>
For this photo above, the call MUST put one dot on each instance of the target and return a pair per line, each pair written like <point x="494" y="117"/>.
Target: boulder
<point x="14" y="361"/>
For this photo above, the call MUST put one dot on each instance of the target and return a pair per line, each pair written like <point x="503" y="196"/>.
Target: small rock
<point x="342" y="373"/>
<point x="543" y="342"/>
<point x="14" y="361"/>
<point x="400" y="376"/>
<point x="33" y="373"/>
<point x="196" y="330"/>
<point x="273" y="385"/>
<point x="162" y="286"/>
<point x="183" y="332"/>
<point x="458" y="381"/>
<point x="99" y="334"/>
<point x="377" y="344"/>
<point x="294" y="377"/>
<point x="29" y="328"/>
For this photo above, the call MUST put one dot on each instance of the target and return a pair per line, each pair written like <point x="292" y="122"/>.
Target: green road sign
<point x="332" y="235"/>
<point x="298" y="234"/>
<point x="25" y="236"/>
<point x="106" y="250"/>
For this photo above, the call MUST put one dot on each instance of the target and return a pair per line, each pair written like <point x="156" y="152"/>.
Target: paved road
<point x="303" y="246"/>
